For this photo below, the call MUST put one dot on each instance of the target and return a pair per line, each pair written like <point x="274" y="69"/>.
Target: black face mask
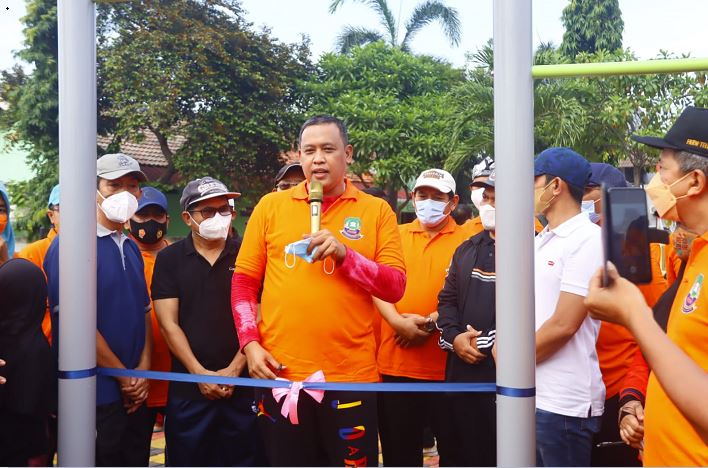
<point x="149" y="232"/>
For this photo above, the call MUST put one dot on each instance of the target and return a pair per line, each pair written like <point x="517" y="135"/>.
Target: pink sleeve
<point x="384" y="282"/>
<point x="244" y="304"/>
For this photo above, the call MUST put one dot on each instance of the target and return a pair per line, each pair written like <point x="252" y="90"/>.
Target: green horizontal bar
<point x="639" y="67"/>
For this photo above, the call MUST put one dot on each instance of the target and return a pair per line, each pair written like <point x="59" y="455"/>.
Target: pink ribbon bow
<point x="292" y="395"/>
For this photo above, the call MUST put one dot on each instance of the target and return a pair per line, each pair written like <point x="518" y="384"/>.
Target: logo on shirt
<point x="352" y="229"/>
<point x="689" y="304"/>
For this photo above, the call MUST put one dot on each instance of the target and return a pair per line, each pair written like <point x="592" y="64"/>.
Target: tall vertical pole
<point x="513" y="151"/>
<point x="77" y="241"/>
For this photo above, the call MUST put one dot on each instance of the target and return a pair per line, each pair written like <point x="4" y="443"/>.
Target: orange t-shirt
<point x="669" y="438"/>
<point x="427" y="260"/>
<point x="160" y="358"/>
<point x="310" y="319"/>
<point x="35" y="253"/>
<point x="472" y="227"/>
<point x="615" y="344"/>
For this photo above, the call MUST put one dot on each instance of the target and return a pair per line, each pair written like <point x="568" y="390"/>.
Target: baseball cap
<point x="293" y="166"/>
<point x="53" y="196"/>
<point x="489" y="182"/>
<point x="564" y="163"/>
<point x="203" y="189"/>
<point x="605" y="174"/>
<point x="437" y="179"/>
<point x="113" y="166"/>
<point x="152" y="196"/>
<point x="483" y="168"/>
<point x="688" y="133"/>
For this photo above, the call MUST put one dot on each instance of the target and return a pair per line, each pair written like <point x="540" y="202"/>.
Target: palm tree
<point x="423" y="14"/>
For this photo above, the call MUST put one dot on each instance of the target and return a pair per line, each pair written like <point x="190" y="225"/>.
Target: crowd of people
<point x="620" y="368"/>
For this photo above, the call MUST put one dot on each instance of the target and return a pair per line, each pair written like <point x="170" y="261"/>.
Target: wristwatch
<point x="430" y="326"/>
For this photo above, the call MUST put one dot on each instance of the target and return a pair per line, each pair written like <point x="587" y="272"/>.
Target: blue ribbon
<point x="77" y="374"/>
<point x="336" y="386"/>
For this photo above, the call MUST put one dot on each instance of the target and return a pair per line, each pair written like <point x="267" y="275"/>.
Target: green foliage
<point x="395" y="106"/>
<point x="197" y="69"/>
<point x="591" y="26"/>
<point x="423" y="14"/>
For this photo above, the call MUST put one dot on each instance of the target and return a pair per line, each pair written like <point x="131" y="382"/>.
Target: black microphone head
<point x="316" y="192"/>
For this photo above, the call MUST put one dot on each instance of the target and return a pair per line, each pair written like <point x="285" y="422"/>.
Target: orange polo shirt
<point x="35" y="253"/>
<point x="160" y="358"/>
<point x="427" y="260"/>
<point x="669" y="439"/>
<point x="615" y="344"/>
<point x="311" y="319"/>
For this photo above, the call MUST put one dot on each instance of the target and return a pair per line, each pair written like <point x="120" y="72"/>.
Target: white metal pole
<point x="513" y="151"/>
<point x="77" y="240"/>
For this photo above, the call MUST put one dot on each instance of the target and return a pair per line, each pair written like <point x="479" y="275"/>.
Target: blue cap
<point x="53" y="196"/>
<point x="565" y="163"/>
<point x="605" y="174"/>
<point x="152" y="196"/>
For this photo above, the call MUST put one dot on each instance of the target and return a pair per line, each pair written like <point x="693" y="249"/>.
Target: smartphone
<point x="625" y="233"/>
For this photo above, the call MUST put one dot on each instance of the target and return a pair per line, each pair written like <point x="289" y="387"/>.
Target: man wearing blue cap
<point x="148" y="228"/>
<point x="570" y="394"/>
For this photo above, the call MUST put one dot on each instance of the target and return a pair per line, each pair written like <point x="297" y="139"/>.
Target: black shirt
<point x="204" y="293"/>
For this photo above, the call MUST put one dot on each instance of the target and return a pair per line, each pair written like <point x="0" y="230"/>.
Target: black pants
<point x="471" y="435"/>
<point x="22" y="438"/>
<point x="402" y="420"/>
<point x="339" y="431"/>
<point x="213" y="432"/>
<point x="120" y="437"/>
<point x="616" y="455"/>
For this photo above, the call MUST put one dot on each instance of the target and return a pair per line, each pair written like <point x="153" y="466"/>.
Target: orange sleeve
<point x="673" y="263"/>
<point x="252" y="255"/>
<point x="31" y="253"/>
<point x="634" y="385"/>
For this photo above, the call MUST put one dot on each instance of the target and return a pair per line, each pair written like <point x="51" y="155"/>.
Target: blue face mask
<point x="430" y="212"/>
<point x="299" y="248"/>
<point x="589" y="208"/>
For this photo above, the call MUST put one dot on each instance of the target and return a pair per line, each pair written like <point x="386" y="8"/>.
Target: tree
<point x="591" y="26"/>
<point x="31" y="118"/>
<point x="395" y="106"/>
<point x="197" y="69"/>
<point x="424" y="14"/>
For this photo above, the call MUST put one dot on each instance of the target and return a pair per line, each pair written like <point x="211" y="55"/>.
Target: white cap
<point x="114" y="166"/>
<point x="437" y="179"/>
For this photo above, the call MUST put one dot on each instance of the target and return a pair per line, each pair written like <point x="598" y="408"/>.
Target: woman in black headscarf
<point x="29" y="395"/>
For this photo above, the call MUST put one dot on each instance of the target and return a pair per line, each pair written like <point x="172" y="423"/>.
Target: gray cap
<point x="114" y="166"/>
<point x="483" y="168"/>
<point x="203" y="189"/>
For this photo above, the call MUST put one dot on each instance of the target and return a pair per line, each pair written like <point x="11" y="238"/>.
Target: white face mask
<point x="589" y="208"/>
<point x="215" y="228"/>
<point x="488" y="216"/>
<point x="476" y="196"/>
<point x="430" y="212"/>
<point x="119" y="207"/>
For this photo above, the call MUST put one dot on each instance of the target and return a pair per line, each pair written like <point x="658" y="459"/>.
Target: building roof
<point x="148" y="151"/>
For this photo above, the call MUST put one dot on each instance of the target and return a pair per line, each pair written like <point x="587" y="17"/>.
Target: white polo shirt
<point x="569" y="382"/>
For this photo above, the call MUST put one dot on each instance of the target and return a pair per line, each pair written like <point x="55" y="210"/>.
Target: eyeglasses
<point x="286" y="185"/>
<point x="209" y="211"/>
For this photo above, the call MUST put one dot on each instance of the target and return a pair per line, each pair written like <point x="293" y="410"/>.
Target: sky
<point x="650" y="25"/>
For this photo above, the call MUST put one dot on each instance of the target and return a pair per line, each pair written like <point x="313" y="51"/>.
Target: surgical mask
<point x="119" y="207"/>
<point x="487" y="214"/>
<point x="588" y="206"/>
<point x="476" y="196"/>
<point x="663" y="198"/>
<point x="215" y="228"/>
<point x="3" y="222"/>
<point x="148" y="232"/>
<point x="299" y="249"/>
<point x="539" y="206"/>
<point x="682" y="240"/>
<point x="430" y="212"/>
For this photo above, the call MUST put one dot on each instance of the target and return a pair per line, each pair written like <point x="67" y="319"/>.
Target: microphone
<point x="315" y="201"/>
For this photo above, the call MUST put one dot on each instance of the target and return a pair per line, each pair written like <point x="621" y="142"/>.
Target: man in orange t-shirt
<point x="36" y="251"/>
<point x="409" y="352"/>
<point x="317" y="311"/>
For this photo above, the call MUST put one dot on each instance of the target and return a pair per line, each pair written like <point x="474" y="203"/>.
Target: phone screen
<point x="626" y="232"/>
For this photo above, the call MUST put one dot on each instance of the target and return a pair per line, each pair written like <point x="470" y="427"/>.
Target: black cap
<point x="203" y="189"/>
<point x="688" y="133"/>
<point x="293" y="166"/>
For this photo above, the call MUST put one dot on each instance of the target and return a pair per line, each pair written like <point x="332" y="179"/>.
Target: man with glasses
<point x="289" y="176"/>
<point x="205" y="424"/>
